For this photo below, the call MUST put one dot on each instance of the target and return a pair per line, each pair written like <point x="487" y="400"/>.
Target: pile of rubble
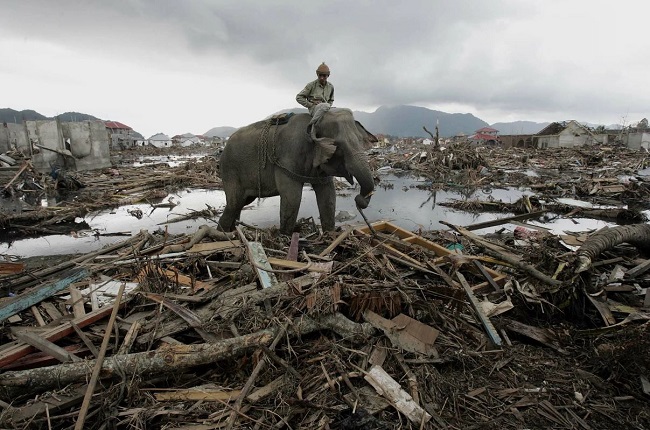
<point x="376" y="328"/>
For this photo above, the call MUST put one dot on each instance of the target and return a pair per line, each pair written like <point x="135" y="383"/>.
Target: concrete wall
<point x="13" y="136"/>
<point x="45" y="137"/>
<point x="72" y="145"/>
<point x="89" y="144"/>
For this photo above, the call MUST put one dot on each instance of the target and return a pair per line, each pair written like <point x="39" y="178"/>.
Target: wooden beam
<point x="502" y="221"/>
<point x="14" y="350"/>
<point x="292" y="255"/>
<point x="36" y="295"/>
<point x="85" y="339"/>
<point x="257" y="257"/>
<point x="51" y="405"/>
<point x="38" y="316"/>
<point x="79" y="425"/>
<point x="77" y="300"/>
<point x="45" y="345"/>
<point x="487" y="324"/>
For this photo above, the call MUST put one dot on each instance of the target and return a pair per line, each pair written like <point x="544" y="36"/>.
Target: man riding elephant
<point x="317" y="96"/>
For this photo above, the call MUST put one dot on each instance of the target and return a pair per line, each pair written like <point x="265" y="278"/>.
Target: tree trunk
<point x="168" y="360"/>
<point x="636" y="234"/>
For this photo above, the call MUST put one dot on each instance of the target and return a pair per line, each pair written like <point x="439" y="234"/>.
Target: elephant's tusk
<point x="369" y="194"/>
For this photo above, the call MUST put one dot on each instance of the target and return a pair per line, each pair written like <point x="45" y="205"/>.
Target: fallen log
<point x="169" y="359"/>
<point x="637" y="235"/>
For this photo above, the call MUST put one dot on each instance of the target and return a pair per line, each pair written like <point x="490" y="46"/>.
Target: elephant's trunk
<point x="359" y="168"/>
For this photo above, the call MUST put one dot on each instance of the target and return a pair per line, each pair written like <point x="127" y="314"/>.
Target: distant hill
<point x="76" y="117"/>
<point x="11" y="115"/>
<point x="407" y="121"/>
<point x="519" y="127"/>
<point x="18" y="116"/>
<point x="220" y="131"/>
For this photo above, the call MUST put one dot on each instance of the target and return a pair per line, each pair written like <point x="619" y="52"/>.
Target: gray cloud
<point x="541" y="61"/>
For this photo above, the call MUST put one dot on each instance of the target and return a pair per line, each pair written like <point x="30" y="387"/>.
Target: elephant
<point x="266" y="159"/>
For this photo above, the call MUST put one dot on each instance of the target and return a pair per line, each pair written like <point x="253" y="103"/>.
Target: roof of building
<point x="486" y="130"/>
<point x="483" y="136"/>
<point x="115" y="124"/>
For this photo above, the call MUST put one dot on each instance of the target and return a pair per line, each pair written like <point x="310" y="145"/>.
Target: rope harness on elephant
<point x="263" y="154"/>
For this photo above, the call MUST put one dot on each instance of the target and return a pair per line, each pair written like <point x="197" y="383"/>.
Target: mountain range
<point x="398" y="121"/>
<point x="11" y="115"/>
<point x="408" y="121"/>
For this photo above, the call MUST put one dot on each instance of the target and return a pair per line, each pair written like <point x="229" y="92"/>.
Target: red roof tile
<point x="486" y="129"/>
<point x="483" y="136"/>
<point x="115" y="124"/>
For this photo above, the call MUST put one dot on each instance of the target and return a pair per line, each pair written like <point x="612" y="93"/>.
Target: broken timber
<point x="412" y="238"/>
<point x="38" y="294"/>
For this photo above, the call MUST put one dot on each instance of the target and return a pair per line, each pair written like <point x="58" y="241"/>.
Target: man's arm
<point x="331" y="100"/>
<point x="302" y="96"/>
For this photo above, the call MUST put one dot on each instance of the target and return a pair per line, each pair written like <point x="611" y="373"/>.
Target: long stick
<point x="98" y="364"/>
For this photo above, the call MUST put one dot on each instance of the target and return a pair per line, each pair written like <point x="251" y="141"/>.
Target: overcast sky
<point x="186" y="66"/>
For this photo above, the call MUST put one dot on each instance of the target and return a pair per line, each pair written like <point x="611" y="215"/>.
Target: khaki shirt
<point x="313" y="92"/>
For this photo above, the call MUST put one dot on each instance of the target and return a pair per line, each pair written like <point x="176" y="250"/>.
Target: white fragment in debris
<point x="389" y="388"/>
<point x="106" y="291"/>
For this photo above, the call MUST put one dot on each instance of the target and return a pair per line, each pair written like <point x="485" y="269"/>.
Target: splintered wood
<point x="362" y="331"/>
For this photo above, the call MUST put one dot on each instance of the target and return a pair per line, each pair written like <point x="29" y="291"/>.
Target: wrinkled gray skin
<point x="295" y="151"/>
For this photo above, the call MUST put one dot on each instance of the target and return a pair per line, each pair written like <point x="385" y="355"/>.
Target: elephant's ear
<point x="323" y="151"/>
<point x="368" y="138"/>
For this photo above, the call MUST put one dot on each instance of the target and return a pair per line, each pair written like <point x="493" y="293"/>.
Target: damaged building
<point x="51" y="143"/>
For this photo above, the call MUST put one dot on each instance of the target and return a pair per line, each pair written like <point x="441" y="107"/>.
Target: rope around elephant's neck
<point x="263" y="155"/>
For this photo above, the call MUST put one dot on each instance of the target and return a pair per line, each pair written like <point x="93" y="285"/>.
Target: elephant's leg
<point x="231" y="213"/>
<point x="326" y="200"/>
<point x="290" y="197"/>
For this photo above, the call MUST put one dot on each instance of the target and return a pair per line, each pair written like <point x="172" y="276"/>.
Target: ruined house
<point x="122" y="136"/>
<point x="48" y="144"/>
<point x="485" y="136"/>
<point x="565" y="134"/>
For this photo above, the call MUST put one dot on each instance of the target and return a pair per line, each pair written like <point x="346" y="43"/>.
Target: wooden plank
<point x="44" y="345"/>
<point x="257" y="257"/>
<point x="41" y="359"/>
<point x="297" y="265"/>
<point x="81" y="419"/>
<point x="94" y="301"/>
<point x="502" y="221"/>
<point x="292" y="255"/>
<point x="8" y="268"/>
<point x="407" y="236"/>
<point x="85" y="339"/>
<point x="638" y="270"/>
<point x="386" y="386"/>
<point x="486" y="275"/>
<point x="336" y="242"/>
<point x="211" y="247"/>
<point x="37" y="314"/>
<point x="194" y="394"/>
<point x="485" y="321"/>
<point x="77" y="300"/>
<point x="49" y="405"/>
<point x="35" y="295"/>
<point x="130" y="336"/>
<point x="14" y="350"/>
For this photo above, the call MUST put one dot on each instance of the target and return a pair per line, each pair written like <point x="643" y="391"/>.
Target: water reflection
<point x="407" y="202"/>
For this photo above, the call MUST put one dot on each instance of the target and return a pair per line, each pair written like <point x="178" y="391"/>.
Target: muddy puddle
<point x="403" y="200"/>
